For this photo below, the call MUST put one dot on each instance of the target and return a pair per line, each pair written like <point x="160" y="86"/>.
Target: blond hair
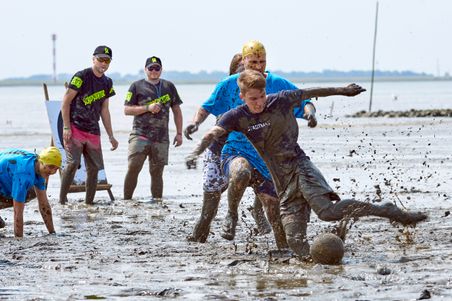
<point x="251" y="79"/>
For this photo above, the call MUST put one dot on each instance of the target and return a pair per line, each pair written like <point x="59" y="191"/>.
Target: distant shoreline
<point x="27" y="82"/>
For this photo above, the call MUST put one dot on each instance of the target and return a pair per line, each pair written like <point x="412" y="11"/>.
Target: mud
<point x="410" y="113"/>
<point x="137" y="250"/>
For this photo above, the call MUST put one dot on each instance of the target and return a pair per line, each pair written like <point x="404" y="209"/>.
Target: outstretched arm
<point x="350" y="90"/>
<point x="208" y="138"/>
<point x="45" y="210"/>
<point x="199" y="118"/>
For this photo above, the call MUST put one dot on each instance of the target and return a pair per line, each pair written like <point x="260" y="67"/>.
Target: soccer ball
<point x="327" y="248"/>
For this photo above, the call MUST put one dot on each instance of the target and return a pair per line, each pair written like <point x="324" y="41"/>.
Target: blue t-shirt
<point x="226" y="97"/>
<point x="17" y="174"/>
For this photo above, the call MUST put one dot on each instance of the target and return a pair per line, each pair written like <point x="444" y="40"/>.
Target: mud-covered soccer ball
<point x="327" y="248"/>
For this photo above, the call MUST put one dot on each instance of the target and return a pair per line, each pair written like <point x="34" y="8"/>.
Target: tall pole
<point x="54" y="58"/>
<point x="373" y="60"/>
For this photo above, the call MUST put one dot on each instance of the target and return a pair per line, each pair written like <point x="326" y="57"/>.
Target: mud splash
<point x="137" y="250"/>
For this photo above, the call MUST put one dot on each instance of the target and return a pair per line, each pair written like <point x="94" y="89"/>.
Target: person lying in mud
<point x="242" y="166"/>
<point x="269" y="123"/>
<point x="23" y="177"/>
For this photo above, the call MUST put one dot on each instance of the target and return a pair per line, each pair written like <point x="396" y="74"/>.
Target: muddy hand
<point x="67" y="135"/>
<point x="312" y="120"/>
<point x="177" y="140"/>
<point x="190" y="161"/>
<point x="114" y="143"/>
<point x="190" y="129"/>
<point x="353" y="89"/>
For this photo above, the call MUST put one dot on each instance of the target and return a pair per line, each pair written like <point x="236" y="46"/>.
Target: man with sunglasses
<point x="84" y="103"/>
<point x="149" y="100"/>
<point x="22" y="178"/>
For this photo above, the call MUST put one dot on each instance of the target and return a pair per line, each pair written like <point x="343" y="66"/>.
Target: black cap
<point x="152" y="61"/>
<point x="103" y="51"/>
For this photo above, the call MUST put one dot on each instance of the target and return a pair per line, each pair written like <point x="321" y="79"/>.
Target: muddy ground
<point x="137" y="250"/>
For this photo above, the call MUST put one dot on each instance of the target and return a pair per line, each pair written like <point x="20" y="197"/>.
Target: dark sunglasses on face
<point x="104" y="59"/>
<point x="154" y="68"/>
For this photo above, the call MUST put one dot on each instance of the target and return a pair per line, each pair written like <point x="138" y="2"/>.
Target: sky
<point x="198" y="35"/>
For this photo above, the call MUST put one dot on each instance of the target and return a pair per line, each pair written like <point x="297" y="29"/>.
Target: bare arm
<point x="138" y="110"/>
<point x="208" y="138"/>
<point x="65" y="114"/>
<point x="350" y="90"/>
<point x="106" y="120"/>
<point x="45" y="210"/>
<point x="199" y="118"/>
<point x="177" y="113"/>
<point x="18" y="218"/>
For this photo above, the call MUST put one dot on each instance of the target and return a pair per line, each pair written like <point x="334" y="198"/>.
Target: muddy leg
<point x="328" y="211"/>
<point x="66" y="180"/>
<point x="240" y="175"/>
<point x="295" y="229"/>
<point x="91" y="181"/>
<point x="209" y="209"/>
<point x="135" y="164"/>
<point x="295" y="213"/>
<point x="263" y="227"/>
<point x="156" y="180"/>
<point x="271" y="205"/>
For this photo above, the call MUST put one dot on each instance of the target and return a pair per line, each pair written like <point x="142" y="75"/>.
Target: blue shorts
<point x="258" y="182"/>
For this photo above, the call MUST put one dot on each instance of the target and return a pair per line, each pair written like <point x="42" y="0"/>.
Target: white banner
<point x="56" y="125"/>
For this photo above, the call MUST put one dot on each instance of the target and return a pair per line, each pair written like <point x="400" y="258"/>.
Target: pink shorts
<point x="87" y="144"/>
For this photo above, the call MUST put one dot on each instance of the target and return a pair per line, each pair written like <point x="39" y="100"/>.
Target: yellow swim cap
<point x="50" y="156"/>
<point x="253" y="47"/>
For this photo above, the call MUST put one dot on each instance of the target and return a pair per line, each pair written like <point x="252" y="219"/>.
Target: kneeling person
<point x="23" y="177"/>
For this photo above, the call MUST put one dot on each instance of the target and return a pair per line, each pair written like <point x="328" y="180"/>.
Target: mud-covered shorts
<point x="6" y="202"/>
<point x="213" y="178"/>
<point x="87" y="144"/>
<point x="258" y="182"/>
<point x="303" y="189"/>
<point x="140" y="147"/>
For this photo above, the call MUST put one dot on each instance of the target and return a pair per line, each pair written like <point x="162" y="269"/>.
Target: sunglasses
<point x="103" y="59"/>
<point x="154" y="68"/>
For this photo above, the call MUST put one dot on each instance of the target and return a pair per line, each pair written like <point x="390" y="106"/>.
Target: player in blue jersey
<point x="22" y="177"/>
<point x="241" y="163"/>
<point x="269" y="123"/>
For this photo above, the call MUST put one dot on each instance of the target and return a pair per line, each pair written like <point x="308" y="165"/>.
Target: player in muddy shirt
<point x="242" y="165"/>
<point x="149" y="101"/>
<point x="84" y="103"/>
<point x="22" y="178"/>
<point x="269" y="123"/>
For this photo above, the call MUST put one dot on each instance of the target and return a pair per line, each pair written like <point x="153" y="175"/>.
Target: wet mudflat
<point x="137" y="250"/>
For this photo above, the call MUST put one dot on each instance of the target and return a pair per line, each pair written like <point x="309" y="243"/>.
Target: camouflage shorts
<point x="213" y="178"/>
<point x="140" y="147"/>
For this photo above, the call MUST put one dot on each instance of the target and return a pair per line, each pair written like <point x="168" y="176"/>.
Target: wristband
<point x="147" y="107"/>
<point x="179" y="134"/>
<point x="66" y="128"/>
